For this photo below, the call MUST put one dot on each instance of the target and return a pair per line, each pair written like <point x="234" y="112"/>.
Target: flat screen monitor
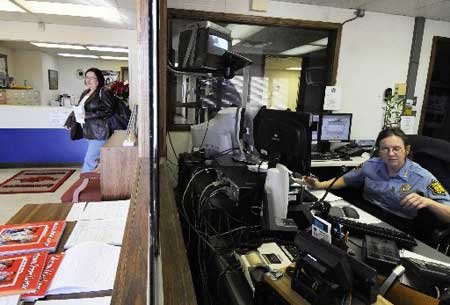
<point x="283" y="136"/>
<point x="336" y="127"/>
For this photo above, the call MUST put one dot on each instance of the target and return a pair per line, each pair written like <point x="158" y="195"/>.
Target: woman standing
<point x="95" y="107"/>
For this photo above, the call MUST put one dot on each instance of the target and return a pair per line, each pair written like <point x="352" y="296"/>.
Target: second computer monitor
<point x="336" y="127"/>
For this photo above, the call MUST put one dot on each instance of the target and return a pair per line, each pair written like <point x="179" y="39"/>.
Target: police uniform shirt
<point x="387" y="192"/>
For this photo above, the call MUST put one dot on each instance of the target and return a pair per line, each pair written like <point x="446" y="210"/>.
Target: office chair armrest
<point x="441" y="235"/>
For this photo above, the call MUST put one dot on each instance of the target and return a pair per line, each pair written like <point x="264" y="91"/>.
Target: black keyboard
<point x="402" y="239"/>
<point x="291" y="251"/>
<point x="429" y="270"/>
<point x="325" y="156"/>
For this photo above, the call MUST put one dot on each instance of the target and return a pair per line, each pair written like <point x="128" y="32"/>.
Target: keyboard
<point x="428" y="270"/>
<point x="291" y="251"/>
<point x="402" y="239"/>
<point x="328" y="156"/>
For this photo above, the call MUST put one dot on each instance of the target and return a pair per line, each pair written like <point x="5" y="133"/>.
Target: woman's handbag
<point x="76" y="131"/>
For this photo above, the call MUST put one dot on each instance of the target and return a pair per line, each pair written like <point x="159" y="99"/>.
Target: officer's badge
<point x="405" y="189"/>
<point x="436" y="188"/>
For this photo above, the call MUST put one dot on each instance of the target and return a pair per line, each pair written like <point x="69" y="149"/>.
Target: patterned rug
<point x="35" y="181"/>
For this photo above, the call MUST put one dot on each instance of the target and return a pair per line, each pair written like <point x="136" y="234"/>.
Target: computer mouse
<point x="350" y="212"/>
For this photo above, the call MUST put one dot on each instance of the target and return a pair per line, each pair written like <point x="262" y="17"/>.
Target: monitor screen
<point x="336" y="127"/>
<point x="283" y="136"/>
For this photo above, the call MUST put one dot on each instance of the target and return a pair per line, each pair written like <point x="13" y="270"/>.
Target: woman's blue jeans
<point x="92" y="156"/>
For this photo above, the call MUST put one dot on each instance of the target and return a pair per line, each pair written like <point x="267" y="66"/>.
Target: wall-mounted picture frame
<point x="52" y="79"/>
<point x="110" y="76"/>
<point x="3" y="71"/>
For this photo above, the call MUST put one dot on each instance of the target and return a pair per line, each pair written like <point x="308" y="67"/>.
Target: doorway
<point x="435" y="121"/>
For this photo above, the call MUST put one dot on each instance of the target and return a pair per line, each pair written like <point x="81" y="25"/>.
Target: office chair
<point x="432" y="154"/>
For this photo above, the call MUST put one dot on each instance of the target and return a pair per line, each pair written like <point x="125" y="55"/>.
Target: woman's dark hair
<point x="391" y="131"/>
<point x="98" y="74"/>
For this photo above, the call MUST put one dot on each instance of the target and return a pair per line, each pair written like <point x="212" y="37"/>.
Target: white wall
<point x="72" y="85"/>
<point x="374" y="53"/>
<point x="27" y="68"/>
<point x="48" y="62"/>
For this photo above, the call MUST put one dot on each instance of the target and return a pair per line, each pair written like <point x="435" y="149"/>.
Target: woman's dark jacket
<point x="97" y="113"/>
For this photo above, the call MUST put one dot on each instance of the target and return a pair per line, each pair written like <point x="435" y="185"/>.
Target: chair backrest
<point x="433" y="155"/>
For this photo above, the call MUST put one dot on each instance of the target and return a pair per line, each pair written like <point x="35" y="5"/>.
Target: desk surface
<point x="355" y="161"/>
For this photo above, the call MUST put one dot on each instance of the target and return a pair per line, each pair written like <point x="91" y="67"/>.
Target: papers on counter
<point x="109" y="231"/>
<point x="10" y="299"/>
<point x="86" y="267"/>
<point x="99" y="210"/>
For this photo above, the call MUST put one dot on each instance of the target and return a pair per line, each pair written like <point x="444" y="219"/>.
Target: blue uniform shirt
<point x="387" y="192"/>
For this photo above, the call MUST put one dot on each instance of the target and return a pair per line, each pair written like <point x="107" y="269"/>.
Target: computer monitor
<point x="335" y="127"/>
<point x="283" y="136"/>
<point x="202" y="46"/>
<point x="218" y="135"/>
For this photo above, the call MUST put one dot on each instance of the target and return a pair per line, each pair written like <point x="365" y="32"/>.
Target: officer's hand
<point x="415" y="201"/>
<point x="311" y="182"/>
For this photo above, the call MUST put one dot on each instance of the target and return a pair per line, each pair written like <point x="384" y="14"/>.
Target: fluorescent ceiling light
<point x="307" y="48"/>
<point x="294" y="68"/>
<point x="69" y="9"/>
<point x="77" y="55"/>
<point x="57" y="46"/>
<point x="107" y="49"/>
<point x="242" y="31"/>
<point x="8" y="6"/>
<point x="114" y="57"/>
<point x="235" y="41"/>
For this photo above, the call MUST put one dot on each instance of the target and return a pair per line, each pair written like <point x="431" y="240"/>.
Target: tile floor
<point x="11" y="203"/>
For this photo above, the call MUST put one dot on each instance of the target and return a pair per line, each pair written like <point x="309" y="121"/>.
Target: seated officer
<point x="393" y="182"/>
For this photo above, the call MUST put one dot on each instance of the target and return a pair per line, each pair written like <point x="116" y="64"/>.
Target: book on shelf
<point x="20" y="273"/>
<point x="13" y="299"/>
<point x="51" y="265"/>
<point x="86" y="267"/>
<point x="82" y="301"/>
<point x="30" y="237"/>
<point x="109" y="231"/>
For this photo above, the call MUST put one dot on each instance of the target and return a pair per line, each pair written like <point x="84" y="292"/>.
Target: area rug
<point x="35" y="181"/>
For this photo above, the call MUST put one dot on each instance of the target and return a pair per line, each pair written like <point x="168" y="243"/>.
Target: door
<point x="435" y="119"/>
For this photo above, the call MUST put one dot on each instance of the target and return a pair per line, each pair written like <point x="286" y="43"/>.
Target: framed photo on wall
<point x="52" y="79"/>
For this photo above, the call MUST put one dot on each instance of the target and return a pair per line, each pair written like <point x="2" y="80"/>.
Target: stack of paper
<point x="86" y="267"/>
<point x="99" y="210"/>
<point x="30" y="237"/>
<point x="21" y="273"/>
<point x="13" y="299"/>
<point x="89" y="301"/>
<point x="102" y="221"/>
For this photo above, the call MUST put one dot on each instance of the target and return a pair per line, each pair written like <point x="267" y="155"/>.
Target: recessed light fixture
<point x="9" y="6"/>
<point x="294" y="69"/>
<point x="114" y="57"/>
<point x="77" y="55"/>
<point x="107" y="49"/>
<point x="69" y="9"/>
<point x="307" y="48"/>
<point x="57" y="46"/>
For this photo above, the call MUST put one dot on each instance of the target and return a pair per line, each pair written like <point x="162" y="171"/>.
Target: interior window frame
<point x="335" y="30"/>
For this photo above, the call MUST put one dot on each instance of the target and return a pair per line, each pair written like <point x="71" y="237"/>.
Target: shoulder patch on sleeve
<point x="437" y="188"/>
